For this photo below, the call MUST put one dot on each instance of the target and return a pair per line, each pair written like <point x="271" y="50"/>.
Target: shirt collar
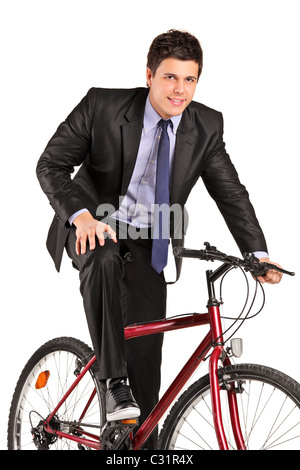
<point x="151" y="118"/>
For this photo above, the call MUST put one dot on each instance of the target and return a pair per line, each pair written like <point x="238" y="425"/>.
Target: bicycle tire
<point x="62" y="356"/>
<point x="189" y="424"/>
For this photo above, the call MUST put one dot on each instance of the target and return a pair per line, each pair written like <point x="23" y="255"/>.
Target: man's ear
<point x="149" y="77"/>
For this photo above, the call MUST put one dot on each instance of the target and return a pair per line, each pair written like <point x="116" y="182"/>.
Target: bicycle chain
<point x="75" y="424"/>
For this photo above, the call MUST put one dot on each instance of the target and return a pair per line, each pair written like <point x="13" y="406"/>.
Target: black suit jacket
<point x="102" y="135"/>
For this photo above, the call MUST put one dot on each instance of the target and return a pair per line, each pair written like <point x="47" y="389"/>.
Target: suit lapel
<point x="131" y="135"/>
<point x="183" y="155"/>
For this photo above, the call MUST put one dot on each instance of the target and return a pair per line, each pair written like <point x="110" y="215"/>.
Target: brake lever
<point x="260" y="269"/>
<point x="268" y="266"/>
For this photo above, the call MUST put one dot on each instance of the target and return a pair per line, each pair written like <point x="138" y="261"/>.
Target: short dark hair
<point x="177" y="44"/>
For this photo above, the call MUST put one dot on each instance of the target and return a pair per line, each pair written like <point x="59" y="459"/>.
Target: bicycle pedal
<point x="116" y="434"/>
<point x="123" y="423"/>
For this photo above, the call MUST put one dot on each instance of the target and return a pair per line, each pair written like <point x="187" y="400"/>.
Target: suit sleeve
<point x="222" y="182"/>
<point x="68" y="148"/>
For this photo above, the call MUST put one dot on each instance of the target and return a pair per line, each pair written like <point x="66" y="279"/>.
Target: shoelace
<point x="120" y="393"/>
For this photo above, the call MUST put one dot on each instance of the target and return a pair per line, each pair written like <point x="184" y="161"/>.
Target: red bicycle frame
<point x="213" y="339"/>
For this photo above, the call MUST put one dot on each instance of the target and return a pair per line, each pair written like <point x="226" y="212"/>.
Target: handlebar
<point x="210" y="253"/>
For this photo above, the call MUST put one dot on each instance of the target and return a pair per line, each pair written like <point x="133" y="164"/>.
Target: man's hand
<point x="271" y="276"/>
<point x="88" y="228"/>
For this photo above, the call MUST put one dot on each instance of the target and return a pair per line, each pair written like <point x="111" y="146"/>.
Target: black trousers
<point x="117" y="293"/>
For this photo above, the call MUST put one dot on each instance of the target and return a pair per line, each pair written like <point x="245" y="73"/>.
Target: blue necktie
<point x="161" y="214"/>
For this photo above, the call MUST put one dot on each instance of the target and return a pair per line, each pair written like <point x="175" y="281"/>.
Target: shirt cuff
<point x="73" y="217"/>
<point x="260" y="254"/>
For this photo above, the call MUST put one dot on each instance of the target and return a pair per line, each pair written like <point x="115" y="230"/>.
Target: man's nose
<point x="179" y="87"/>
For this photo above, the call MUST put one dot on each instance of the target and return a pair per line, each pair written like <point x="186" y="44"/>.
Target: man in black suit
<point x="114" y="135"/>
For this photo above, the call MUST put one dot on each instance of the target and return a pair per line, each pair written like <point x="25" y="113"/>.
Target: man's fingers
<point x="90" y="234"/>
<point x="273" y="277"/>
<point x="104" y="229"/>
<point x="80" y="245"/>
<point x="92" y="241"/>
<point x="112" y="234"/>
<point x="81" y="242"/>
<point x="101" y="238"/>
<point x="77" y="246"/>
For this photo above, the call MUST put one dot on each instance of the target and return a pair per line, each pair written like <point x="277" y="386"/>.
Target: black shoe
<point x="120" y="403"/>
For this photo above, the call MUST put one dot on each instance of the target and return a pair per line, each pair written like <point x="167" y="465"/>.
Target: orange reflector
<point x="42" y="379"/>
<point x="128" y="421"/>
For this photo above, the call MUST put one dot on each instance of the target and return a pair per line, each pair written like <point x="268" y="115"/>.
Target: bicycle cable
<point x="239" y="318"/>
<point x="247" y="297"/>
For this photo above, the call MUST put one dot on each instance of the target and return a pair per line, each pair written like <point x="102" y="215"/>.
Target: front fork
<point x="218" y="354"/>
<point x="216" y="404"/>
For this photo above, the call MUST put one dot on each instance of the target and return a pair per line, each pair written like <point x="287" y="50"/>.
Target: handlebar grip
<point x="180" y="252"/>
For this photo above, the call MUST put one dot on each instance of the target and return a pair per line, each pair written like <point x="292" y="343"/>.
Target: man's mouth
<point x="176" y="101"/>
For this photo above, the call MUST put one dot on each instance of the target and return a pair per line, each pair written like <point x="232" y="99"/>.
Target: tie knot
<point x="164" y="124"/>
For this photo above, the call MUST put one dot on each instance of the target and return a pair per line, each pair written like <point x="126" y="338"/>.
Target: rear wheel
<point x="269" y="410"/>
<point x="45" y="379"/>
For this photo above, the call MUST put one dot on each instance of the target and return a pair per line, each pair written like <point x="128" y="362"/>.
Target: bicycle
<point x="58" y="402"/>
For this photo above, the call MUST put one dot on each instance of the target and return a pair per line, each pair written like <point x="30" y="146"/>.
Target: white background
<point x="52" y="52"/>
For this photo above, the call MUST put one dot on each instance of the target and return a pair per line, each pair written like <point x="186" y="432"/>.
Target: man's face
<point x="173" y="86"/>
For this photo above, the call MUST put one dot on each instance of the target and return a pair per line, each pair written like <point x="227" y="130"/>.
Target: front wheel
<point x="269" y="411"/>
